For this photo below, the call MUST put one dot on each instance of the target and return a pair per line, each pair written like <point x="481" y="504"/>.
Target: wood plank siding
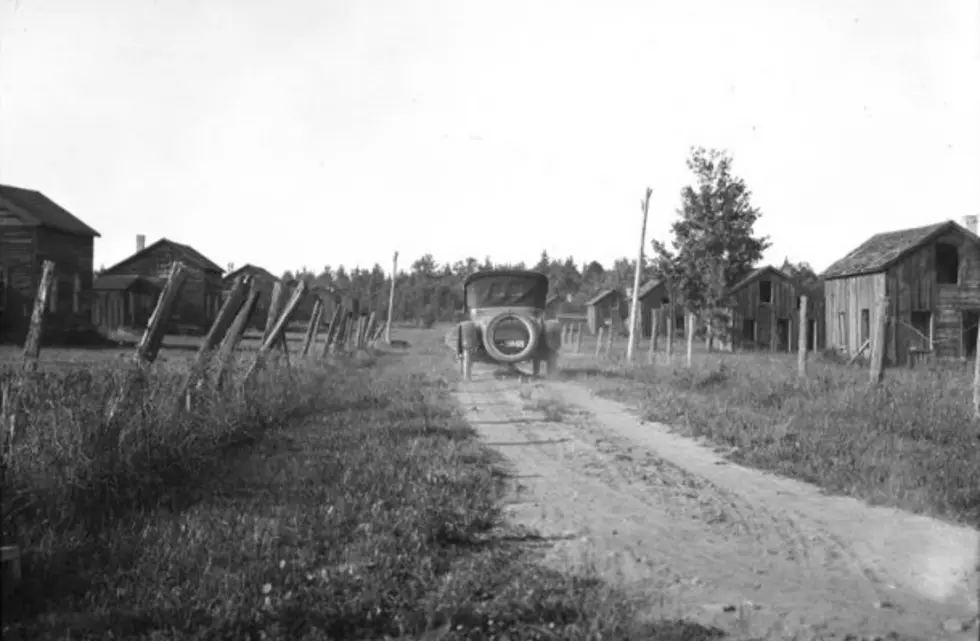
<point x="933" y="287"/>
<point x="765" y="314"/>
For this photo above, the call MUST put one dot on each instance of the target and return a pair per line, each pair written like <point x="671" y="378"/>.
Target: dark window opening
<point x="765" y="291"/>
<point x="748" y="330"/>
<point x="971" y="319"/>
<point x="799" y="301"/>
<point x="680" y="322"/>
<point x="947" y="264"/>
<point x="865" y="325"/>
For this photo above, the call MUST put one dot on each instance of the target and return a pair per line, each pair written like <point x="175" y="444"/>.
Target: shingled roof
<point x="37" y="210"/>
<point x="257" y="272"/>
<point x="756" y="273"/>
<point x="186" y="253"/>
<point x="881" y="251"/>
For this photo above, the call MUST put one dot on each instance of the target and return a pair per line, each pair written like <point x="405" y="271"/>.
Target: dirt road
<point x="741" y="549"/>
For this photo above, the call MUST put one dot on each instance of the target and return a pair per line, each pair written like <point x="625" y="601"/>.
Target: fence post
<point x="149" y="345"/>
<point x="332" y="330"/>
<point x="313" y="328"/>
<point x="654" y="322"/>
<point x="878" y="342"/>
<point x="578" y="338"/>
<point x="229" y="309"/>
<point x="689" y="325"/>
<point x="598" y="340"/>
<point x="801" y="339"/>
<point x="227" y="348"/>
<point x="277" y="330"/>
<point x="32" y="346"/>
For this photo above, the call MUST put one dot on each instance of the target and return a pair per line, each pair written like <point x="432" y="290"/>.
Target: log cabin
<point x="200" y="297"/>
<point x="33" y="228"/>
<point x="931" y="276"/>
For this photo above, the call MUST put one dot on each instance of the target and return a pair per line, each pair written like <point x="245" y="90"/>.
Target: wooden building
<point x="655" y="298"/>
<point x="124" y="301"/>
<point x="607" y="309"/>
<point x="201" y="294"/>
<point x="931" y="276"/>
<point x="33" y="228"/>
<point x="764" y="312"/>
<point x="264" y="279"/>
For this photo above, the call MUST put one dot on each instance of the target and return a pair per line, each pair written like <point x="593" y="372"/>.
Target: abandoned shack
<point x="655" y="298"/>
<point x="765" y="313"/>
<point x="261" y="278"/>
<point x="931" y="276"/>
<point x="569" y="309"/>
<point x="200" y="297"/>
<point x="607" y="309"/>
<point x="33" y="228"/>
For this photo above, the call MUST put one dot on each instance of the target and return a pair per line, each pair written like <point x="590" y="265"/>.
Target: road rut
<point x="741" y="549"/>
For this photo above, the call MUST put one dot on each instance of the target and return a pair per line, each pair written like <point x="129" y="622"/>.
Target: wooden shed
<point x="264" y="279"/>
<point x="607" y="309"/>
<point x="655" y="297"/>
<point x="200" y="298"/>
<point x="33" y="228"/>
<point x="764" y="311"/>
<point x="124" y="301"/>
<point x="569" y="309"/>
<point x="931" y="276"/>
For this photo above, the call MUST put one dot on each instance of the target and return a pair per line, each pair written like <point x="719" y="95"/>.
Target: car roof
<point x="522" y="273"/>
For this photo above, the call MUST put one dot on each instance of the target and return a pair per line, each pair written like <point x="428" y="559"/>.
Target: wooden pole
<point x="32" y="346"/>
<point x="654" y="317"/>
<point x="313" y="328"/>
<point x="332" y="330"/>
<point x="278" y="329"/>
<point x="275" y="306"/>
<point x="637" y="274"/>
<point x="578" y="338"/>
<point x="612" y="337"/>
<point x="801" y="339"/>
<point x="391" y="297"/>
<point x="689" y="326"/>
<point x="878" y="342"/>
<point x="598" y="340"/>
<point x="227" y="348"/>
<point x="669" y="345"/>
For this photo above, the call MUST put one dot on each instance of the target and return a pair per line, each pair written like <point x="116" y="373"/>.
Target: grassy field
<point x="911" y="443"/>
<point x="346" y="500"/>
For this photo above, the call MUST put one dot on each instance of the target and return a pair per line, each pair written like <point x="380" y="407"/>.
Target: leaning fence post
<point x="332" y="331"/>
<point x="32" y="346"/>
<point x="227" y="348"/>
<point x="313" y="328"/>
<point x="149" y="345"/>
<point x="277" y="329"/>
<point x="216" y="333"/>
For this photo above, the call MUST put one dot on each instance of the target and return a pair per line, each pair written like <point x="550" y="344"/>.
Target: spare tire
<point x="507" y="323"/>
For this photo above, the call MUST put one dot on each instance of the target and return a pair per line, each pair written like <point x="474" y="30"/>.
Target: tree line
<point x="712" y="244"/>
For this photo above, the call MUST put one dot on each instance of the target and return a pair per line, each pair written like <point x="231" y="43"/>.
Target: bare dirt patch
<point x="702" y="538"/>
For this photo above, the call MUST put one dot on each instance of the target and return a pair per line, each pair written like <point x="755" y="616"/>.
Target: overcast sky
<point x="312" y="132"/>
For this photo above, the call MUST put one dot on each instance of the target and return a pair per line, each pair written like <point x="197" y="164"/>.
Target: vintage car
<point x="504" y="322"/>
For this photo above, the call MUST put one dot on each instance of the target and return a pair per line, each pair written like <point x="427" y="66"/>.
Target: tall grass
<point x="911" y="442"/>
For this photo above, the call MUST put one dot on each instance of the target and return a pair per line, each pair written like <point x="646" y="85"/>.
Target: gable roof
<point x="186" y="253"/>
<point x="37" y="210"/>
<point x="881" y="251"/>
<point x="260" y="273"/>
<point x="601" y="296"/>
<point x="649" y="287"/>
<point x="755" y="274"/>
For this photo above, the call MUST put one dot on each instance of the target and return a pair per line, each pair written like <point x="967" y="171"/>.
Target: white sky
<point x="313" y="132"/>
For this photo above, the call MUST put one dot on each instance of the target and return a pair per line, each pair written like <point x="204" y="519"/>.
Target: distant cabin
<point x="607" y="309"/>
<point x="34" y="228"/>
<point x="931" y="276"/>
<point x="200" y="297"/>
<point x="654" y="299"/>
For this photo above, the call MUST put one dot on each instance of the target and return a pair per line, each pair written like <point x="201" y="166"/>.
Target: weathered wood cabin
<point x="200" y="297"/>
<point x="33" y="228"/>
<point x="765" y="313"/>
<point x="655" y="297"/>
<point x="931" y="276"/>
<point x="607" y="309"/>
<point x="264" y="279"/>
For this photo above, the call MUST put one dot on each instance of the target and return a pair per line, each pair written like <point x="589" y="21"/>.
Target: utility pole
<point x="391" y="298"/>
<point x="631" y="345"/>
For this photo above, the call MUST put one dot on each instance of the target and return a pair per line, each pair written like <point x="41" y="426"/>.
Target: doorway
<point x="811" y="335"/>
<point x="782" y="334"/>
<point x="970" y="319"/>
